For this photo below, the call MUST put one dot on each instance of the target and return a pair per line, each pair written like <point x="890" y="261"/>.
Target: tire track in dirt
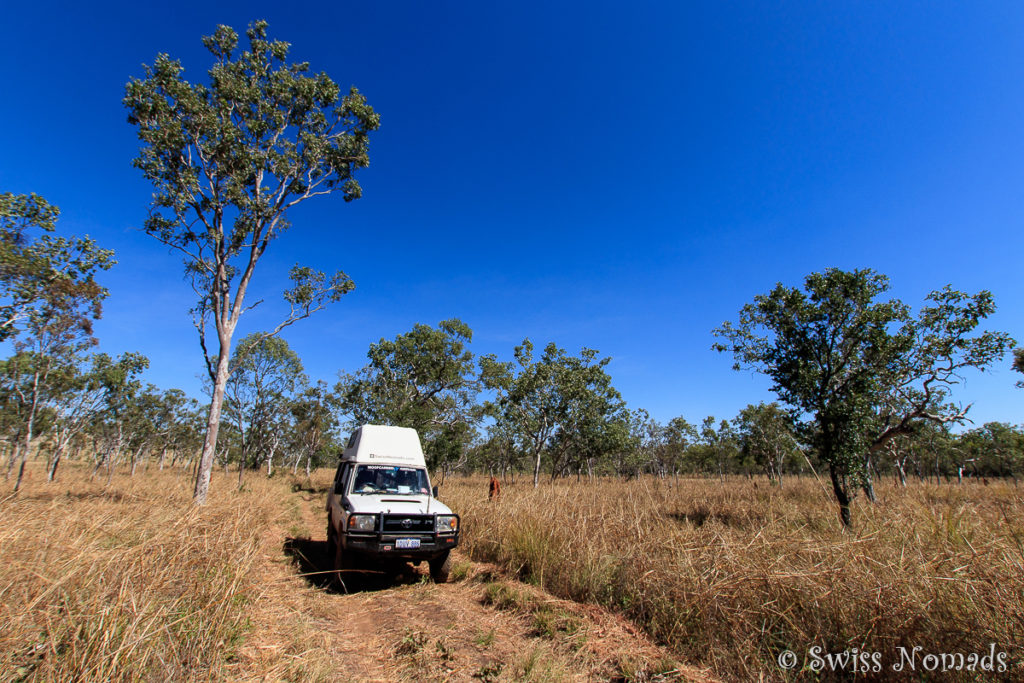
<point x="481" y="626"/>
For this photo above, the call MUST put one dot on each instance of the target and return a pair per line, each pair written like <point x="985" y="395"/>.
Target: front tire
<point x="441" y="567"/>
<point x="341" y="563"/>
<point x="332" y="542"/>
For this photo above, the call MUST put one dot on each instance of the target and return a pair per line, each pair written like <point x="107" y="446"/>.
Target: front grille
<point x="408" y="524"/>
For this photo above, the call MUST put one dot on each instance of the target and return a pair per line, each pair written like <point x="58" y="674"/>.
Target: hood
<point x="372" y="503"/>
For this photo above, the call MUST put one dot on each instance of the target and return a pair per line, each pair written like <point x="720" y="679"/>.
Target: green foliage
<point x="314" y="424"/>
<point x="228" y="159"/>
<point x="767" y="436"/>
<point x="862" y="370"/>
<point x="47" y="283"/>
<point x="49" y="299"/>
<point x="424" y="379"/>
<point x="265" y="373"/>
<point x="561" y="405"/>
<point x="994" y="449"/>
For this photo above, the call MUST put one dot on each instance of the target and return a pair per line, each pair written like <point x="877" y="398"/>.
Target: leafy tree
<point x="498" y="452"/>
<point x="558" y="404"/>
<point x="314" y="424"/>
<point x="863" y="371"/>
<point x="766" y="433"/>
<point x="424" y="379"/>
<point x="120" y="386"/>
<point x="228" y="160"/>
<point x="995" y="449"/>
<point x="175" y="422"/>
<point x="49" y="301"/>
<point x="1018" y="364"/>
<point x="42" y="274"/>
<point x="716" y="448"/>
<point x="265" y="373"/>
<point x="592" y="416"/>
<point x="643" y="448"/>
<point x="30" y="267"/>
<point x="140" y="423"/>
<point x="679" y="436"/>
<point x="80" y="394"/>
<point x="594" y="425"/>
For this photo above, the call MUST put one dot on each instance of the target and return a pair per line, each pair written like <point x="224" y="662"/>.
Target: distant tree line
<point x="864" y="390"/>
<point x="863" y="382"/>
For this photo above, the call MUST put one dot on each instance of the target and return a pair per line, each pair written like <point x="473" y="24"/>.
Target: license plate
<point x="407" y="543"/>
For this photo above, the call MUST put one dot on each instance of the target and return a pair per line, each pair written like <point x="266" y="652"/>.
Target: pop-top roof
<point x="384" y="444"/>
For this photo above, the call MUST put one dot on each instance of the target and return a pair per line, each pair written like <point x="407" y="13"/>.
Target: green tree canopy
<point x="558" y="404"/>
<point x="45" y="274"/>
<point x="424" y="379"/>
<point x="49" y="299"/>
<point x="862" y="369"/>
<point x="768" y="437"/>
<point x="228" y="159"/>
<point x="265" y="374"/>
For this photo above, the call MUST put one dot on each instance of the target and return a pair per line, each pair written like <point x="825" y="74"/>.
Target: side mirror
<point x="435" y="492"/>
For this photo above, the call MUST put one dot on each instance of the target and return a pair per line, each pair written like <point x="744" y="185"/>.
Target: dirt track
<point x="481" y="626"/>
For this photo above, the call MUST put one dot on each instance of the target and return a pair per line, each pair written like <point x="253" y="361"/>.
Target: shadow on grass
<point x="306" y="487"/>
<point x="110" y="495"/>
<point x="700" y="515"/>
<point x="310" y="558"/>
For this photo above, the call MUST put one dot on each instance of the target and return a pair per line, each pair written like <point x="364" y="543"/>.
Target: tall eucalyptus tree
<point x="229" y="158"/>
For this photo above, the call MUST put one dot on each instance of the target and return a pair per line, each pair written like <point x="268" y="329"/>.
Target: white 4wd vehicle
<point x="380" y="509"/>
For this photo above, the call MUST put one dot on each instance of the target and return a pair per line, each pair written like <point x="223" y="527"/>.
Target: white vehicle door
<point x="336" y="498"/>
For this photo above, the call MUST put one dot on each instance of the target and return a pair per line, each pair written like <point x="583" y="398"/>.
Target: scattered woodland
<point x="702" y="529"/>
<point x="864" y="382"/>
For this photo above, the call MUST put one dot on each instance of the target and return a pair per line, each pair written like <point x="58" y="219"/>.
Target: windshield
<point x="391" y="479"/>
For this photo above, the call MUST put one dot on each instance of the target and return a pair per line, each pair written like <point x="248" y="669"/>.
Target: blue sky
<point x="622" y="177"/>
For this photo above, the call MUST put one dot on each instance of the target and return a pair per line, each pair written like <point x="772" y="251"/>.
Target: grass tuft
<point x="126" y="581"/>
<point x="730" y="575"/>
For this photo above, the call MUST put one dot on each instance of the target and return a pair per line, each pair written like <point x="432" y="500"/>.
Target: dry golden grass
<point x="126" y="581"/>
<point x="730" y="575"/>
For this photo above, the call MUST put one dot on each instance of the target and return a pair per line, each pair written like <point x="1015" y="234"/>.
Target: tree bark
<point x="52" y="472"/>
<point x="901" y="472"/>
<point x="869" y="487"/>
<point x="29" y="424"/>
<point x="15" y="453"/>
<point x="202" y="487"/>
<point x="839" y="487"/>
<point x="112" y="461"/>
<point x="135" y="459"/>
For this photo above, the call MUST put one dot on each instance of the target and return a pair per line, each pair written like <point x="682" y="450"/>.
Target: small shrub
<point x="460" y="570"/>
<point x="485" y="639"/>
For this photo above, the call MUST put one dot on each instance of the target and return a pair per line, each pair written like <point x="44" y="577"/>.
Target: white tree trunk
<point x="202" y="487"/>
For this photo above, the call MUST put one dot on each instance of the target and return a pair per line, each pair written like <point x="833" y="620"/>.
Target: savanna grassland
<point x="125" y="580"/>
<point x="730" y="575"/>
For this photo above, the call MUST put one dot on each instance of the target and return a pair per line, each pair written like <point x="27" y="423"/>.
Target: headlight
<point x="447" y="524"/>
<point x="362" y="522"/>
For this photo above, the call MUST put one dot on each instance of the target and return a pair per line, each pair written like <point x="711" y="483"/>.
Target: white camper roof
<point x="384" y="444"/>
